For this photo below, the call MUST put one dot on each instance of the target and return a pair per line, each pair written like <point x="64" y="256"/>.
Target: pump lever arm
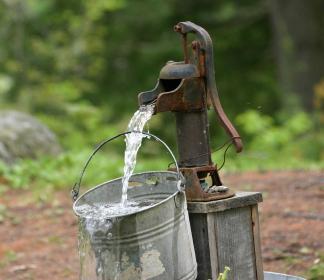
<point x="207" y="46"/>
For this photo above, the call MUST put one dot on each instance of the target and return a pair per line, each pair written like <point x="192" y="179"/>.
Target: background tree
<point x="299" y="44"/>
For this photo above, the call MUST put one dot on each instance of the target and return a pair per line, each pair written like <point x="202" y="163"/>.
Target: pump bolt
<point x="214" y="189"/>
<point x="177" y="28"/>
<point x="195" y="45"/>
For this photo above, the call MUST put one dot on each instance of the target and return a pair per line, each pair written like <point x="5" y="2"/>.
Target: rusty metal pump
<point x="188" y="88"/>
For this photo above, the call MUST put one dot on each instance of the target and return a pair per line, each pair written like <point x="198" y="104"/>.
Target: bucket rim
<point x="293" y="277"/>
<point x="119" y="178"/>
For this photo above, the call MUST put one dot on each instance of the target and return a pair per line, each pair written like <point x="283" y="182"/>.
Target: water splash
<point x="103" y="211"/>
<point x="133" y="143"/>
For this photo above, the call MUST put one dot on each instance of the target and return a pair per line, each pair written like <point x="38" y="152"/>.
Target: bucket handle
<point x="76" y="188"/>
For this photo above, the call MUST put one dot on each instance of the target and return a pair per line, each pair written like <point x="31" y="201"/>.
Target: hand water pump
<point x="224" y="226"/>
<point x="188" y="88"/>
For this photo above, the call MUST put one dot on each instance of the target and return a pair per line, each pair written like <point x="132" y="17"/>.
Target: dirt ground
<point x="39" y="241"/>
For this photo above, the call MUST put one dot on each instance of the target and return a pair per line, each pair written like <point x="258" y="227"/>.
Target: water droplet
<point x="99" y="270"/>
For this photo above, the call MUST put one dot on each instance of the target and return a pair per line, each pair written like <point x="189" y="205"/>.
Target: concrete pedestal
<point x="226" y="233"/>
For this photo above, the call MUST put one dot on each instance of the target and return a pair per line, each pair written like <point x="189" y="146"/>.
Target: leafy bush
<point x="270" y="144"/>
<point x="48" y="174"/>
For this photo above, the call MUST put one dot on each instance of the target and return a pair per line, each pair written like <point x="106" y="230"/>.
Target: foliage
<point x="292" y="143"/>
<point x="58" y="53"/>
<point x="317" y="270"/>
<point x="46" y="175"/>
<point x="223" y="276"/>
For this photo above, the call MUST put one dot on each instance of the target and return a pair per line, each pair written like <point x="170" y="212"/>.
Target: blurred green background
<point x="78" y="66"/>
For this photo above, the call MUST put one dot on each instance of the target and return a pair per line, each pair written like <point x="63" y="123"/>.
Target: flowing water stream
<point x="99" y="222"/>
<point x="133" y="143"/>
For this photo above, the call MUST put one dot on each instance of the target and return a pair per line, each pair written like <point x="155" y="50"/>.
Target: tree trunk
<point x="299" y="46"/>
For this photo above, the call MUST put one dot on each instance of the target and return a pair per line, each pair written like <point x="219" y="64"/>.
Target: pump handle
<point x="206" y="45"/>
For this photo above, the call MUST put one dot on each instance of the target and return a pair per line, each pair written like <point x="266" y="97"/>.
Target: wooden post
<point x="226" y="233"/>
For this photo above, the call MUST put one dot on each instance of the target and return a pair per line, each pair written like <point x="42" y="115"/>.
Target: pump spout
<point x="178" y="89"/>
<point x="150" y="96"/>
<point x="170" y="78"/>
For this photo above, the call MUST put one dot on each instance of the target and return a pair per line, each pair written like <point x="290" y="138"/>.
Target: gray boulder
<point x="22" y="136"/>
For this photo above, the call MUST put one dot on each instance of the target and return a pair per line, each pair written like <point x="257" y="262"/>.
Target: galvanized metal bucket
<point x="279" y="276"/>
<point x="154" y="243"/>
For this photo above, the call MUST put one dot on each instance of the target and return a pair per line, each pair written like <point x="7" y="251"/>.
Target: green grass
<point x="9" y="257"/>
<point x="316" y="272"/>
